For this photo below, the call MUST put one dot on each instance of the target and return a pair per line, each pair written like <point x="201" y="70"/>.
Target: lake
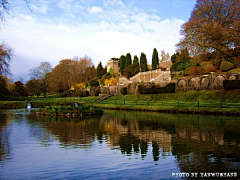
<point x="118" y="145"/>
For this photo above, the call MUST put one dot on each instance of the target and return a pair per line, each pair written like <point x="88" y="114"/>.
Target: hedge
<point x="170" y="88"/>
<point x="231" y="84"/>
<point x="225" y="66"/>
<point x="62" y="95"/>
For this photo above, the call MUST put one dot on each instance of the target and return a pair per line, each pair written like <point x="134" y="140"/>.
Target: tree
<point x="100" y="70"/>
<point x="131" y="70"/>
<point x="110" y="82"/>
<point x="143" y="63"/>
<point x="19" y="89"/>
<point x="155" y="59"/>
<point x="135" y="60"/>
<point x="164" y="56"/>
<point x="33" y="87"/>
<point x="5" y="58"/>
<point x="174" y="57"/>
<point x="70" y="72"/>
<point x="6" y="7"/>
<point x="3" y="86"/>
<point x="180" y="60"/>
<point x="214" y="26"/>
<point x="94" y="82"/>
<point x="41" y="73"/>
<point x="128" y="60"/>
<point x="122" y="63"/>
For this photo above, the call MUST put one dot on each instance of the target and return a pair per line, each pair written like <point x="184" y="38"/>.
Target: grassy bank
<point x="207" y="102"/>
<point x="190" y="96"/>
<point x="12" y="104"/>
<point x="202" y="102"/>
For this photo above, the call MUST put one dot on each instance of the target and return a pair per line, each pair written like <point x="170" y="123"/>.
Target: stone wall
<point x="148" y="76"/>
<point x="204" y="82"/>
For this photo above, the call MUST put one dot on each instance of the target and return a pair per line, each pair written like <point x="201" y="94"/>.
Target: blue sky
<point x="101" y="29"/>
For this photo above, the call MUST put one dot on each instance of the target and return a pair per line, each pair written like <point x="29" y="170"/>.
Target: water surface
<point x="117" y="145"/>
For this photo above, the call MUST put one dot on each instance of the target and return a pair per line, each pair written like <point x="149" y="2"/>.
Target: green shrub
<point x="180" y="66"/>
<point x="124" y="91"/>
<point x="94" y="82"/>
<point x="170" y="88"/>
<point x="226" y="66"/>
<point x="231" y="84"/>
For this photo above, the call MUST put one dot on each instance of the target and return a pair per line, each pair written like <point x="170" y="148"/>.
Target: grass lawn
<point x="218" y="101"/>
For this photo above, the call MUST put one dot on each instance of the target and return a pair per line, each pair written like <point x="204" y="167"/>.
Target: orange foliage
<point x="195" y="70"/>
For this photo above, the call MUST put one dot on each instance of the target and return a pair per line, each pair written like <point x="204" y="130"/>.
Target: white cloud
<point x="95" y="10"/>
<point x="41" y="8"/>
<point x="65" y="4"/>
<point x="113" y="3"/>
<point x="119" y="33"/>
<point x="140" y="18"/>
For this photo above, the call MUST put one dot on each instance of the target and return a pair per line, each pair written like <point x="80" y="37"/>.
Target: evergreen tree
<point x="100" y="70"/>
<point x="155" y="59"/>
<point x="122" y="63"/>
<point x="180" y="60"/>
<point x="174" y="57"/>
<point x="128" y="60"/>
<point x="131" y="70"/>
<point x="135" y="60"/>
<point x="143" y="63"/>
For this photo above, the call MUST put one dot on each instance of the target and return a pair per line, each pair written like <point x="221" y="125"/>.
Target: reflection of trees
<point x="134" y="135"/>
<point x="4" y="138"/>
<point x="155" y="151"/>
<point x="199" y="145"/>
<point x="202" y="150"/>
<point x="72" y="131"/>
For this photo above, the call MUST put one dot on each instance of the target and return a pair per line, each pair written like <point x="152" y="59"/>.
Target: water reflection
<point x="205" y="139"/>
<point x="71" y="133"/>
<point x="199" y="143"/>
<point x="4" y="138"/>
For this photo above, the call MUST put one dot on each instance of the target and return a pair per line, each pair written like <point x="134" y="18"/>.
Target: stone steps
<point x="104" y="97"/>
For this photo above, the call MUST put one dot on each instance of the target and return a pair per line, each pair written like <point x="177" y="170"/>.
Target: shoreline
<point x="216" y="102"/>
<point x="174" y="110"/>
<point x="165" y="109"/>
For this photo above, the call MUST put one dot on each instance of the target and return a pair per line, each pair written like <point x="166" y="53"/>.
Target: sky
<point x="52" y="30"/>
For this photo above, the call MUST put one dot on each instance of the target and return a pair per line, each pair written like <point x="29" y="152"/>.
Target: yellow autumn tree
<point x="111" y="82"/>
<point x="78" y="86"/>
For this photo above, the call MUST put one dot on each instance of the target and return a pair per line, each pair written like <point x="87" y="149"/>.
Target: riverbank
<point x="218" y="102"/>
<point x="173" y="109"/>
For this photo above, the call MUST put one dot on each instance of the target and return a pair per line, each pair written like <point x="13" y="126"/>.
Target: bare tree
<point x="5" y="57"/>
<point x="6" y="8"/>
<point x="41" y="74"/>
<point x="164" y="56"/>
<point x="70" y="72"/>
